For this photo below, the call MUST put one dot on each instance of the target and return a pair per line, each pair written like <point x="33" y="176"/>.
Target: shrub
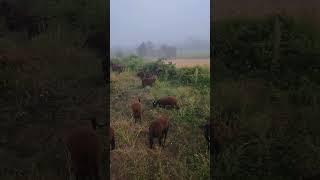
<point x="245" y="47"/>
<point x="133" y="63"/>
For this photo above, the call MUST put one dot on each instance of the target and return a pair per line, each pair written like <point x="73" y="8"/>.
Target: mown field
<point x="185" y="155"/>
<point x="181" y="62"/>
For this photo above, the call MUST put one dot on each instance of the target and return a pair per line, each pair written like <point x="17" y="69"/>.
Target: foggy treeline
<point x="155" y="21"/>
<point x="151" y="49"/>
<point x="148" y="49"/>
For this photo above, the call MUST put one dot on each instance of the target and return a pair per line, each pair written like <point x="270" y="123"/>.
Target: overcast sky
<point x="160" y="21"/>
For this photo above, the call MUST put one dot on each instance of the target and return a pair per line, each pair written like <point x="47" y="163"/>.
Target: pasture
<point x="185" y="155"/>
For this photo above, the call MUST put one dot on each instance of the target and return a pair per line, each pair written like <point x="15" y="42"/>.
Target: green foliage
<point x="69" y="21"/>
<point x="150" y="67"/>
<point x="245" y="47"/>
<point x="272" y="101"/>
<point x="167" y="70"/>
<point x="116" y="61"/>
<point x="194" y="103"/>
<point x="249" y="42"/>
<point x="36" y="86"/>
<point x="191" y="88"/>
<point x="133" y="62"/>
<point x="275" y="134"/>
<point x="81" y="15"/>
<point x="198" y="77"/>
<point x="45" y="83"/>
<point x="185" y="155"/>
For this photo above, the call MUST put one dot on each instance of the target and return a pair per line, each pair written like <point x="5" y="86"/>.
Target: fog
<point x="172" y="22"/>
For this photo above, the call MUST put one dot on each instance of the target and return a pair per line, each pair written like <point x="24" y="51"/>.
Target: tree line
<point x="148" y="49"/>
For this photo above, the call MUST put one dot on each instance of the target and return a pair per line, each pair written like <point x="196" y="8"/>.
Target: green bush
<point x="245" y="47"/>
<point x="197" y="76"/>
<point x="273" y="103"/>
<point x="194" y="104"/>
<point x="133" y="62"/>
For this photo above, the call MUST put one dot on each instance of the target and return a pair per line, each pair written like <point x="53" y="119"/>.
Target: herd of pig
<point x="83" y="143"/>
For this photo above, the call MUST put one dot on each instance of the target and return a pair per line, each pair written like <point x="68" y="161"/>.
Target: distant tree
<point x="118" y="54"/>
<point x="150" y="49"/>
<point x="142" y="50"/>
<point x="168" y="51"/>
<point x="163" y="51"/>
<point x="172" y="52"/>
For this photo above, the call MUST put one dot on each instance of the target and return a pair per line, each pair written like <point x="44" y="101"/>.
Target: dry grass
<point x="132" y="158"/>
<point x="191" y="62"/>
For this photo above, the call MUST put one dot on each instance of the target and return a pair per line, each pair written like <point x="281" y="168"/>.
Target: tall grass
<point x="46" y="85"/>
<point x="185" y="155"/>
<point x="270" y="103"/>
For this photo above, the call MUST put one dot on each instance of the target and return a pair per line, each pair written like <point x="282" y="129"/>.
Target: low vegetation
<point x="271" y="103"/>
<point x="185" y="155"/>
<point x="49" y="83"/>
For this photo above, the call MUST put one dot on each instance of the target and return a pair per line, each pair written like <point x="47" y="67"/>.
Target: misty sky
<point x="161" y="21"/>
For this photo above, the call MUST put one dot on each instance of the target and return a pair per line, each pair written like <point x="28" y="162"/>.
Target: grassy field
<point x="185" y="155"/>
